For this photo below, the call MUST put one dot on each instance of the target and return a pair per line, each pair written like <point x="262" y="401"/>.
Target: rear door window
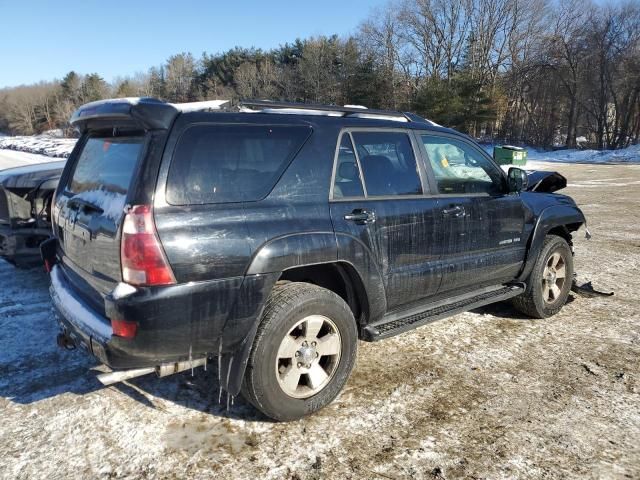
<point x="104" y="170"/>
<point x="347" y="180"/>
<point x="388" y="163"/>
<point x="230" y="163"/>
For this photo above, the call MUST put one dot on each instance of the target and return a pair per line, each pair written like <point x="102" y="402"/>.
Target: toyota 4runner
<point x="274" y="236"/>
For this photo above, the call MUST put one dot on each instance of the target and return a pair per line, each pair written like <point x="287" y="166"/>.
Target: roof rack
<point x="269" y="106"/>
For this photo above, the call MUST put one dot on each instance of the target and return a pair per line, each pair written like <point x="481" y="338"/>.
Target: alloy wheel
<point x="553" y="277"/>
<point x="308" y="356"/>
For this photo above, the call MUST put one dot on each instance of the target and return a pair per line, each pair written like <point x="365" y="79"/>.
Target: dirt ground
<point x="486" y="394"/>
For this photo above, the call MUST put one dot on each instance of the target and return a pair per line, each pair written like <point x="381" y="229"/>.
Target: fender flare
<point x="549" y="218"/>
<point x="266" y="266"/>
<point x="317" y="248"/>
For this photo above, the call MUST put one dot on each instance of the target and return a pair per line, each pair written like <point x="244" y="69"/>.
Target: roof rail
<point x="346" y="111"/>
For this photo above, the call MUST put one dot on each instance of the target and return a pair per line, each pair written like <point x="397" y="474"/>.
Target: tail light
<point x="123" y="328"/>
<point x="143" y="260"/>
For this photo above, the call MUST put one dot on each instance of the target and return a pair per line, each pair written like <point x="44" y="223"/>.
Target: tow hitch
<point x="66" y="342"/>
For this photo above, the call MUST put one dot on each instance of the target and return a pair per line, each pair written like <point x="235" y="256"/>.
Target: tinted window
<point x="388" y="164"/>
<point x="106" y="164"/>
<point x="347" y="182"/>
<point x="230" y="163"/>
<point x="459" y="168"/>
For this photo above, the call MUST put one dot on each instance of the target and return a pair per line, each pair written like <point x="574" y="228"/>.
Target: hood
<point x="31" y="176"/>
<point x="548" y="182"/>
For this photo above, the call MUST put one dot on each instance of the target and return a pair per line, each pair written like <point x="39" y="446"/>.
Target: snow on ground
<point x="626" y="155"/>
<point x="485" y="394"/>
<point x="535" y="156"/>
<point x="12" y="158"/>
<point x="49" y="144"/>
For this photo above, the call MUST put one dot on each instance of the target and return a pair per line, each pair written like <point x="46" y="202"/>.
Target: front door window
<point x="460" y="169"/>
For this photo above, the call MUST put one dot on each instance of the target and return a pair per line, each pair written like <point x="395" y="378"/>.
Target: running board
<point x="398" y="322"/>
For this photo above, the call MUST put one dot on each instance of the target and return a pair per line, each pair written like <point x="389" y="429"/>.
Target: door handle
<point x="453" y="211"/>
<point x="361" y="217"/>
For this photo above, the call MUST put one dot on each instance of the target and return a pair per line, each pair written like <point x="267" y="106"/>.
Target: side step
<point x="398" y="322"/>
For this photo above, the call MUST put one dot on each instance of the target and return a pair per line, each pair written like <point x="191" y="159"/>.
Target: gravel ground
<point x="486" y="394"/>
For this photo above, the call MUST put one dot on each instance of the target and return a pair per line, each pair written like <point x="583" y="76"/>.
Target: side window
<point x="230" y="163"/>
<point x="388" y="163"/>
<point x="347" y="182"/>
<point x="459" y="168"/>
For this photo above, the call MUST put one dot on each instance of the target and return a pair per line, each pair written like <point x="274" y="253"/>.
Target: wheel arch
<point x="339" y="277"/>
<point x="310" y="257"/>
<point x="559" y="220"/>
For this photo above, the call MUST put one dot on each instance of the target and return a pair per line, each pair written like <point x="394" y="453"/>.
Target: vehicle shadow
<point x="507" y="311"/>
<point x="40" y="377"/>
<point x="200" y="392"/>
<point x="34" y="368"/>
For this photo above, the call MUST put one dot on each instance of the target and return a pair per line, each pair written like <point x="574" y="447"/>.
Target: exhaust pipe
<point x="122" y="375"/>
<point x="161" y="370"/>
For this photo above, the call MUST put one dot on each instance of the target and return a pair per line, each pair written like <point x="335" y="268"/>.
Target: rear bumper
<point x="174" y="322"/>
<point x="79" y="322"/>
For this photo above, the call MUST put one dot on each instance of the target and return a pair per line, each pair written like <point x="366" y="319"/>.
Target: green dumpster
<point x="509" y="155"/>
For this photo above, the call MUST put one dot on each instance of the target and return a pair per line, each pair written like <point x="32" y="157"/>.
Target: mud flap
<point x="232" y="365"/>
<point x="240" y="330"/>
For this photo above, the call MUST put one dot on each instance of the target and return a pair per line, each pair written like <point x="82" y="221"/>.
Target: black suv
<point x="274" y="236"/>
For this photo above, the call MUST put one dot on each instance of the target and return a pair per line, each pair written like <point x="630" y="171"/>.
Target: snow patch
<point x="74" y="311"/>
<point x="625" y="155"/>
<point x="13" y="159"/>
<point x="199" y="106"/>
<point x="111" y="203"/>
<point x="123" y="290"/>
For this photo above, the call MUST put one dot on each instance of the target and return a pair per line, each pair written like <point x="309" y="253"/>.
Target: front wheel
<point x="550" y="280"/>
<point x="303" y="353"/>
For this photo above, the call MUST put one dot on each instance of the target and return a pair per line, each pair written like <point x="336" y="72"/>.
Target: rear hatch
<point x="90" y="209"/>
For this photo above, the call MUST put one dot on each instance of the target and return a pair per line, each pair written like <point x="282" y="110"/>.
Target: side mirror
<point x="517" y="180"/>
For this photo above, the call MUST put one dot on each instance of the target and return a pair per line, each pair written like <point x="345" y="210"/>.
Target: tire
<point x="293" y="313"/>
<point x="540" y="299"/>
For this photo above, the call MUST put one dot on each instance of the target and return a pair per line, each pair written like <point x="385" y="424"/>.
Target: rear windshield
<point x="230" y="163"/>
<point x="106" y="164"/>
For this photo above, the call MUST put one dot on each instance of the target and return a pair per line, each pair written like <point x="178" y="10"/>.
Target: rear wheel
<point x="550" y="280"/>
<point x="303" y="353"/>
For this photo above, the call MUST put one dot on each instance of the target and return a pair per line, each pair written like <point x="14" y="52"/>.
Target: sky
<point x="43" y="40"/>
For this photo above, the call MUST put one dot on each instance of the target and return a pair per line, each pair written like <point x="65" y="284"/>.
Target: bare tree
<point x="180" y="72"/>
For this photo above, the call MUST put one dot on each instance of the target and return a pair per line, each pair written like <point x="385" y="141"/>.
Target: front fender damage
<point x="547" y="182"/>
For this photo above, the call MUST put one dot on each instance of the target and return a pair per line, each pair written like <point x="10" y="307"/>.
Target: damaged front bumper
<point x="21" y="245"/>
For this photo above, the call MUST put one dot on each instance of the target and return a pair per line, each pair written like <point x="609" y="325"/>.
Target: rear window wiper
<point x="79" y="202"/>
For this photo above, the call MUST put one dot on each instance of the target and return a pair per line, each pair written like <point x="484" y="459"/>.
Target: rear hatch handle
<point x="87" y="206"/>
